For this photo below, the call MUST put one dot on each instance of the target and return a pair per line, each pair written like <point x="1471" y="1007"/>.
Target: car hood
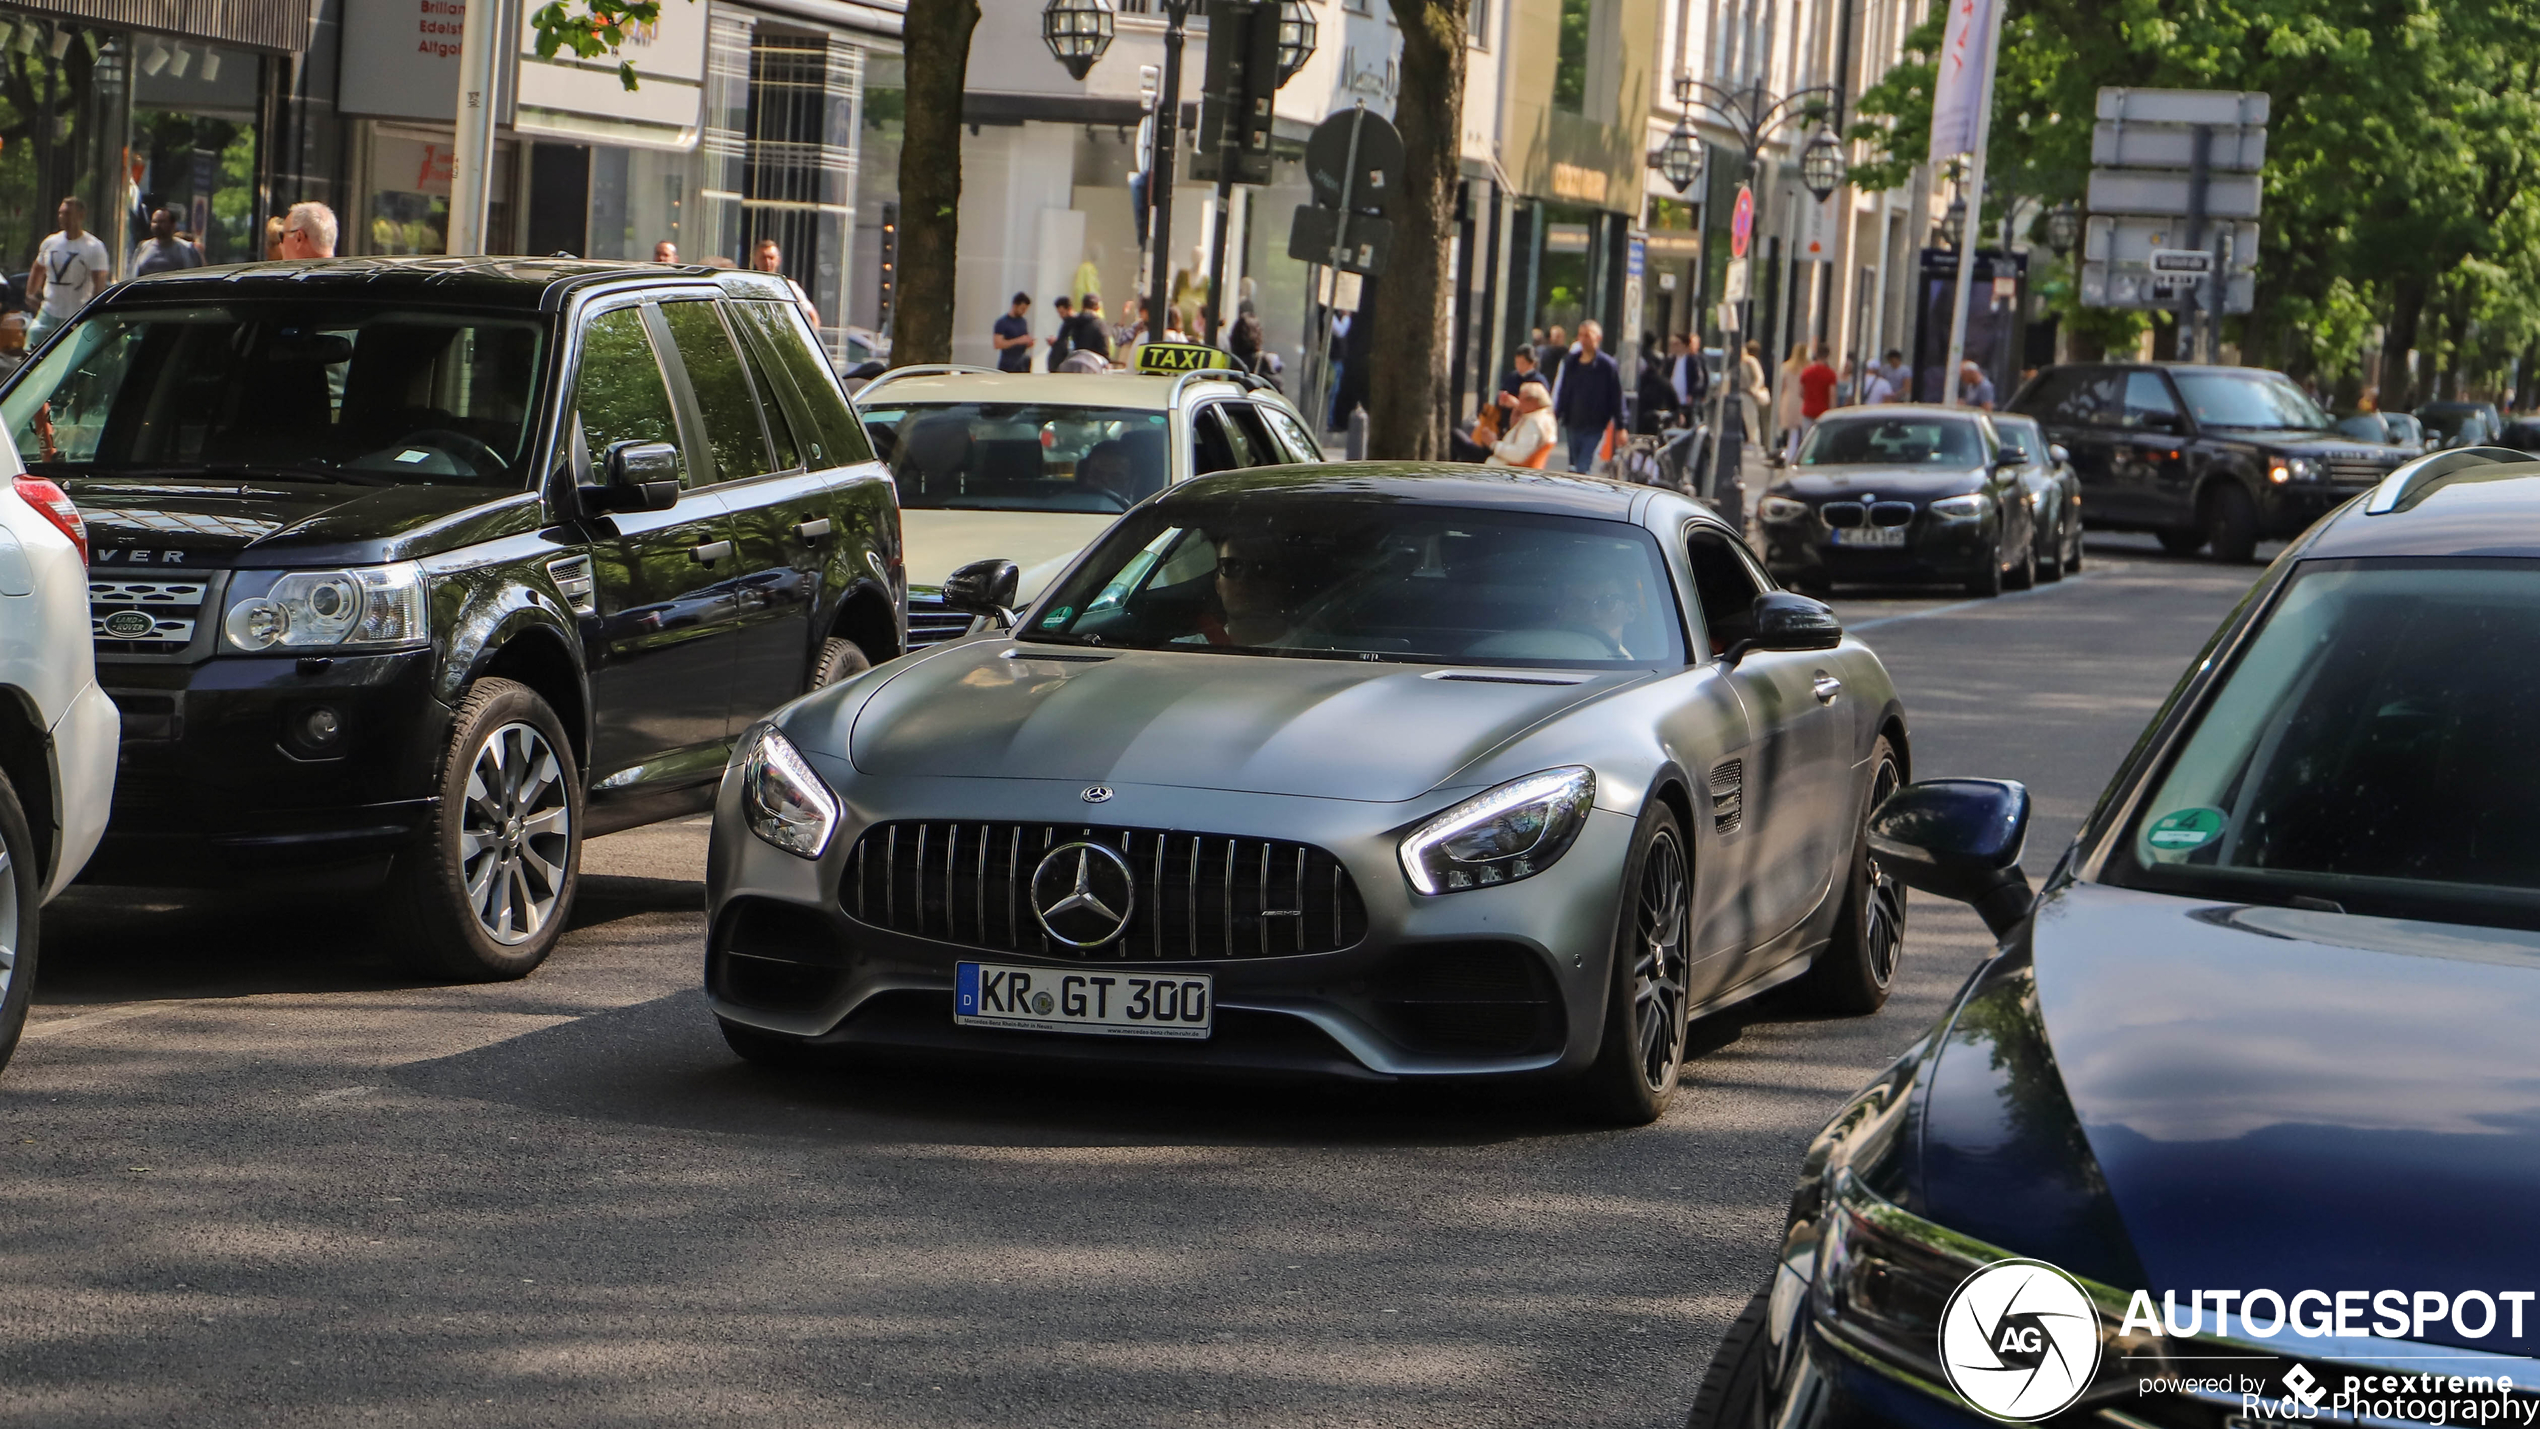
<point x="1043" y="543"/>
<point x="246" y="522"/>
<point x="2283" y="1098"/>
<point x="1893" y="483"/>
<point x="1256" y="724"/>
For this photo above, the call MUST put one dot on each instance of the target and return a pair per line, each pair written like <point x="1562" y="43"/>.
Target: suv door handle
<point x="1827" y="687"/>
<point x="813" y="529"/>
<point x="710" y="552"/>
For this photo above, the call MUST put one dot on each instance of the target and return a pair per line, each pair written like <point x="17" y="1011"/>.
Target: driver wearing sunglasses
<point x="1252" y="593"/>
<point x="1600" y="606"/>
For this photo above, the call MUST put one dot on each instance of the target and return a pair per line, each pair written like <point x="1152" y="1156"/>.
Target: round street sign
<point x="1742" y="222"/>
<point x="1379" y="161"/>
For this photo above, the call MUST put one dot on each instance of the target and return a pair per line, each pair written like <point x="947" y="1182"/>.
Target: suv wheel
<point x="1647" y="999"/>
<point x="21" y="895"/>
<point x="2231" y="524"/>
<point x="840" y="661"/>
<point x="486" y="891"/>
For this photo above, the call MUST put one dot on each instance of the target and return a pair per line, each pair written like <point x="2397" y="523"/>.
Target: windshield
<point x="1323" y="578"/>
<point x="2259" y="401"/>
<point x="1019" y="456"/>
<point x="2368" y="754"/>
<point x="2455" y="426"/>
<point x="1891" y="441"/>
<point x="362" y="393"/>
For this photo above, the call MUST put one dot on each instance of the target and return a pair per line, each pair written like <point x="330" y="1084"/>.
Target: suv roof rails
<point x="2415" y="480"/>
<point x="924" y="369"/>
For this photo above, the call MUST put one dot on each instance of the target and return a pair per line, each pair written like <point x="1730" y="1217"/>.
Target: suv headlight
<point x="1501" y="835"/>
<point x="1970" y="507"/>
<point x="296" y="610"/>
<point x="2295" y="468"/>
<point x="1780" y="508"/>
<point x="781" y="799"/>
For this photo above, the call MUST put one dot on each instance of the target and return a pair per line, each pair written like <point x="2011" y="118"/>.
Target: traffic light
<point x="1241" y="80"/>
<point x="890" y="274"/>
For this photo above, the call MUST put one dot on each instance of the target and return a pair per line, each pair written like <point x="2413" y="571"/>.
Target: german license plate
<point x="1110" y="1003"/>
<point x="1869" y="536"/>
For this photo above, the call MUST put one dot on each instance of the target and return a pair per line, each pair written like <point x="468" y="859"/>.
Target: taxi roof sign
<point x="1180" y="357"/>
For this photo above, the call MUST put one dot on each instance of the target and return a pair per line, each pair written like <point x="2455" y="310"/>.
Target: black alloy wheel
<point x="1854" y="971"/>
<point x="1731" y="1395"/>
<point x="2231" y="524"/>
<point x="486" y="890"/>
<point x="1648" y="1003"/>
<point x="1987" y="581"/>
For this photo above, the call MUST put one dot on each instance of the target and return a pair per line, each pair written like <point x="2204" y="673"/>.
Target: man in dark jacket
<point x="1591" y="397"/>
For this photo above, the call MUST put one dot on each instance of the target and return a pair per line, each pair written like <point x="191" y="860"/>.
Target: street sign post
<point x="1352" y="161"/>
<point x="2168" y="164"/>
<point x="1742" y="222"/>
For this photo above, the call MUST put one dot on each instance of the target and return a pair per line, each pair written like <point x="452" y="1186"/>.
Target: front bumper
<point x="784" y="954"/>
<point x="214" y="785"/>
<point x="2295" y="507"/>
<point x="1802" y="549"/>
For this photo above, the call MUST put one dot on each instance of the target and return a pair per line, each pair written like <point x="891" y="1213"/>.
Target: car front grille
<point x="118" y="606"/>
<point x="2351" y="472"/>
<point x="930" y="622"/>
<point x="1847" y="514"/>
<point x="1197" y="896"/>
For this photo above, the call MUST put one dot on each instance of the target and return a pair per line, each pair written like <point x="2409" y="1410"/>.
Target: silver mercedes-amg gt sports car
<point x="1381" y="772"/>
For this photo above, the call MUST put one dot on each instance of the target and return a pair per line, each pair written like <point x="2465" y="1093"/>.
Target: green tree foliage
<point x="592" y="28"/>
<point x="2402" y="147"/>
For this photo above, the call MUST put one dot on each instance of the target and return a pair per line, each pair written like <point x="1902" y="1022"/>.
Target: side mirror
<point x="1959" y="839"/>
<point x="2006" y="459"/>
<point x="1787" y="621"/>
<point x="984" y="588"/>
<point x="2059" y="452"/>
<point x="636" y="476"/>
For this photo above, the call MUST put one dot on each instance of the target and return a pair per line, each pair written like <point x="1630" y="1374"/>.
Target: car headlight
<point x="1780" y="508"/>
<point x="1970" y="507"/>
<point x="782" y="800"/>
<point x="1501" y="835"/>
<point x="2294" y="468"/>
<point x="296" y="610"/>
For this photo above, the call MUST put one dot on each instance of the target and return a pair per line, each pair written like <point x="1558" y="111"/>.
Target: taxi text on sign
<point x="1180" y="357"/>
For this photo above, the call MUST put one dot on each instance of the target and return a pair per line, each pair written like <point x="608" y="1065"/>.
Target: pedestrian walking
<point x="768" y="258"/>
<point x="164" y="251"/>
<point x="308" y="231"/>
<point x="1549" y="357"/>
<point x="1012" y="337"/>
<point x="1589" y="399"/>
<point x="1900" y="378"/>
<point x="1974" y="388"/>
<point x="1816" y="392"/>
<point x="1687" y="377"/>
<point x="1875" y="387"/>
<point x="1131" y="329"/>
<point x="1754" y="397"/>
<point x="666" y="252"/>
<point x="1653" y="397"/>
<point x="1786" y="404"/>
<point x="70" y="268"/>
<point x="1063" y="341"/>
<point x="1092" y="333"/>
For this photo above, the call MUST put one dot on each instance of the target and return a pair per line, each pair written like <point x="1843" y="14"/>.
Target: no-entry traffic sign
<point x="1742" y="222"/>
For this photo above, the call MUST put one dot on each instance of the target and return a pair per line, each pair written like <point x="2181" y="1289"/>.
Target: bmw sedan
<point x="2241" y="1122"/>
<point x="1366" y="772"/>
<point x="1897" y="495"/>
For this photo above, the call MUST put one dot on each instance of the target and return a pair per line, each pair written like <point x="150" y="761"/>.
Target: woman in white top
<point x="1530" y="436"/>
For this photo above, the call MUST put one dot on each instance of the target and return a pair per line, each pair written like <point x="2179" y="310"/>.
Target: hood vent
<point x="1513" y="677"/>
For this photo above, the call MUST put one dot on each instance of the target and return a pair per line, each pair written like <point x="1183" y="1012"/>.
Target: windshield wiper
<point x="269" y="471"/>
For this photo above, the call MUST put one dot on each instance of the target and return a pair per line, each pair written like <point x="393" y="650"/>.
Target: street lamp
<point x="1077" y="32"/>
<point x="1677" y="160"/>
<point x="1821" y="166"/>
<point x="2063" y="227"/>
<point x="1297" y="31"/>
<point x="1953" y="225"/>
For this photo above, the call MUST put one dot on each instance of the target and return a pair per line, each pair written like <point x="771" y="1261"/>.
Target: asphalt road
<point x="248" y="1174"/>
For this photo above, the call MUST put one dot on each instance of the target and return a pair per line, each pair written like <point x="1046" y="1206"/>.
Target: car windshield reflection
<point x="1019" y="456"/>
<point x="1892" y="441"/>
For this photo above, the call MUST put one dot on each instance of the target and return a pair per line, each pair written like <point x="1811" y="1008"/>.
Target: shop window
<point x="194" y="147"/>
<point x="1569" y="74"/>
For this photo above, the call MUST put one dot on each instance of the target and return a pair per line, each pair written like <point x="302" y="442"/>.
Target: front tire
<point x="1732" y="1389"/>
<point x="21" y="905"/>
<point x="2231" y="525"/>
<point x="1648" y="997"/>
<point x="485" y="893"/>
<point x="1987" y="583"/>
<point x="1853" y="972"/>
<point x="839" y="662"/>
<point x="2072" y="546"/>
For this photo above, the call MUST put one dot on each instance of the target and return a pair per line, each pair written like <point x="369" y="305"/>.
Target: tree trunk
<point x="936" y="34"/>
<point x="1407" y="413"/>
<point x="2407" y="305"/>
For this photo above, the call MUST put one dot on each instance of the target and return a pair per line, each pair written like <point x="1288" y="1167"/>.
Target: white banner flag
<point x="1965" y="82"/>
<point x="1816" y="232"/>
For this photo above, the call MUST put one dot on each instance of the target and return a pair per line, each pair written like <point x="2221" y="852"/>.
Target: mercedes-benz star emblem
<point x="1098" y="794"/>
<point x="1083" y="894"/>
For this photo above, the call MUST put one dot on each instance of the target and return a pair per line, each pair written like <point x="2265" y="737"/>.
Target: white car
<point x="58" y="731"/>
<point x="1031" y="467"/>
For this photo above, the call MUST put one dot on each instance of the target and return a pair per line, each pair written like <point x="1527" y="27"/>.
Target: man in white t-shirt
<point x="771" y="259"/>
<point x="71" y="267"/>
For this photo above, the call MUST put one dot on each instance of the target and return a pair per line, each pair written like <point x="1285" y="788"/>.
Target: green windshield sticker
<point x="1057" y="618"/>
<point x="2185" y="829"/>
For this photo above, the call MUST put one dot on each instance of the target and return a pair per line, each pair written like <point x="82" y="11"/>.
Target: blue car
<point x="2242" y="1122"/>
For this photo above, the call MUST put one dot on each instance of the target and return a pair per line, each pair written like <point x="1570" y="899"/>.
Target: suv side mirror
<point x="636" y="476"/>
<point x="2008" y="458"/>
<point x="1959" y="839"/>
<point x="984" y="588"/>
<point x="1783" y="620"/>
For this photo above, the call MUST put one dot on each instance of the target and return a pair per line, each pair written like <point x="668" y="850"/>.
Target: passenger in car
<point x="1252" y="594"/>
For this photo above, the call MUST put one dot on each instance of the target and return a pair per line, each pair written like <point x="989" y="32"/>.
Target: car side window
<point x="1246" y="421"/>
<point x="832" y="436"/>
<point x="1212" y="449"/>
<point x="722" y="389"/>
<point x="777" y="407"/>
<point x="622" y="396"/>
<point x="2147" y="397"/>
<point x="1724" y="587"/>
<point x="2089" y="399"/>
<point x="1291" y="432"/>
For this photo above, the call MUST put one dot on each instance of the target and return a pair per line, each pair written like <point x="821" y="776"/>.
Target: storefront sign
<point x="1578" y="183"/>
<point x="584" y="101"/>
<point x="401" y="58"/>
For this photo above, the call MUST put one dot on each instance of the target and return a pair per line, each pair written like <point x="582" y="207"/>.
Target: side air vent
<point x="1728" y="796"/>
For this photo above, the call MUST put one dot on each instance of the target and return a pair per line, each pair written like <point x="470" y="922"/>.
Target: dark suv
<point x="2216" y="457"/>
<point x="425" y="571"/>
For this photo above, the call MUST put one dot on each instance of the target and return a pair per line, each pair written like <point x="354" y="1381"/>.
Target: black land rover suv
<point x="426" y="570"/>
<point x="2215" y="457"/>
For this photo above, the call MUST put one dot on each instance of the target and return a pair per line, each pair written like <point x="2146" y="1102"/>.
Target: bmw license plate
<point x="1110" y="1002"/>
<point x="1869" y="536"/>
